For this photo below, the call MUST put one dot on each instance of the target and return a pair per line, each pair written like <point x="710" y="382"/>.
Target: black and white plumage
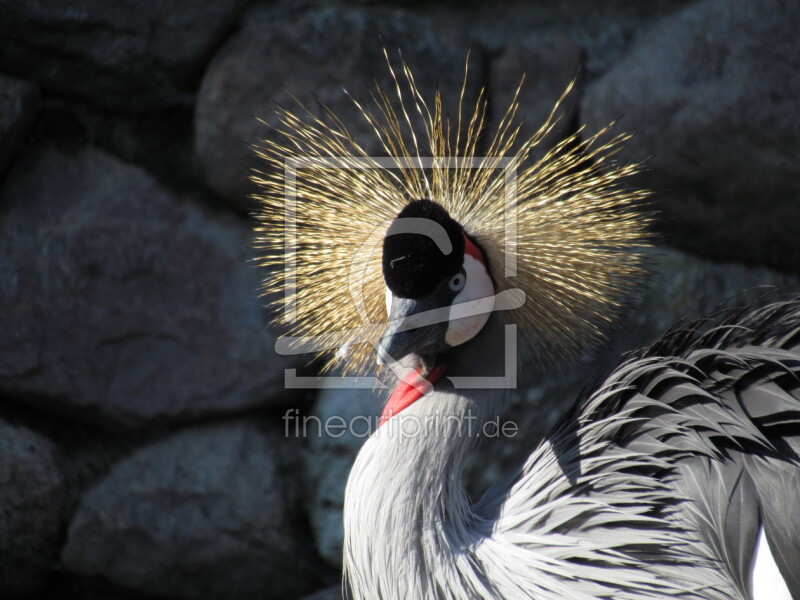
<point x="659" y="483"/>
<point x="677" y="476"/>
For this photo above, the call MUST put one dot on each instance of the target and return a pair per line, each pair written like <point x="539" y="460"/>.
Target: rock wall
<point x="144" y="452"/>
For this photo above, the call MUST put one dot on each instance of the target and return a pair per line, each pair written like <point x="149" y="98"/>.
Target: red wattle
<point x="412" y="387"/>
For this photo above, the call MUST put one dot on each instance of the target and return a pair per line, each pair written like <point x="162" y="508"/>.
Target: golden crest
<point x="562" y="229"/>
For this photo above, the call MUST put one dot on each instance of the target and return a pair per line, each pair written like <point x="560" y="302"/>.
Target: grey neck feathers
<point x="409" y="525"/>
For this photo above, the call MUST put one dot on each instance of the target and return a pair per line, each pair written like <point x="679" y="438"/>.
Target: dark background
<point x="142" y="448"/>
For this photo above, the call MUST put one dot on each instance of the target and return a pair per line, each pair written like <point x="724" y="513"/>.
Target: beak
<point x="416" y="326"/>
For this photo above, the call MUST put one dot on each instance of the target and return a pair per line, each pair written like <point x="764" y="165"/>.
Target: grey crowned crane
<point x="677" y="476"/>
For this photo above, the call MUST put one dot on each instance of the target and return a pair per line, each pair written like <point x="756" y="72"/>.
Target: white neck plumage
<point x="409" y="524"/>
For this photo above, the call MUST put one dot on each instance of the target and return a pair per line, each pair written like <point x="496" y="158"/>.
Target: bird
<point x="676" y="475"/>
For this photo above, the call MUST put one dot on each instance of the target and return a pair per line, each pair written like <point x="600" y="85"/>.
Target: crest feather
<point x="572" y="231"/>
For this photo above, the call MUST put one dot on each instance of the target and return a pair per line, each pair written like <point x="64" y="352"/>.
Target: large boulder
<point x="603" y="30"/>
<point x="314" y="55"/>
<point x="205" y="513"/>
<point x="713" y="98"/>
<point x="131" y="55"/>
<point x="32" y="496"/>
<point x="122" y="303"/>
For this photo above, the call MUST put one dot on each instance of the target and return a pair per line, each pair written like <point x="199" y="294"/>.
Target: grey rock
<point x="122" y="303"/>
<point x="122" y="55"/>
<point x="19" y="101"/>
<point x="682" y="287"/>
<point x="549" y="62"/>
<point x="203" y="513"/>
<point x="31" y="510"/>
<point x="338" y="425"/>
<point x="313" y="54"/>
<point x="603" y="30"/>
<point x="713" y="98"/>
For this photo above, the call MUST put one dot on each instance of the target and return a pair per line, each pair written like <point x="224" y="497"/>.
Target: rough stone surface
<point x="713" y="98"/>
<point x="204" y="513"/>
<point x="19" y="101"/>
<point x="31" y="510"/>
<point x="121" y="302"/>
<point x="603" y="30"/>
<point x="331" y="451"/>
<point x="130" y="55"/>
<point x="682" y="287"/>
<point x="312" y="54"/>
<point x="549" y="62"/>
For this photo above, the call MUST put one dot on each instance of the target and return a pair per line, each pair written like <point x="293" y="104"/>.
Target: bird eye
<point x="457" y="282"/>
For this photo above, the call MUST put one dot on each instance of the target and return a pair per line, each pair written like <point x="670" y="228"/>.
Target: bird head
<point x="439" y="292"/>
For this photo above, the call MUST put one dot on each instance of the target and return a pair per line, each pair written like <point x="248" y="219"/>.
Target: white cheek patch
<point x="479" y="291"/>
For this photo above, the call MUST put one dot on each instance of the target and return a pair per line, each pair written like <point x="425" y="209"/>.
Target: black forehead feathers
<point x="413" y="263"/>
